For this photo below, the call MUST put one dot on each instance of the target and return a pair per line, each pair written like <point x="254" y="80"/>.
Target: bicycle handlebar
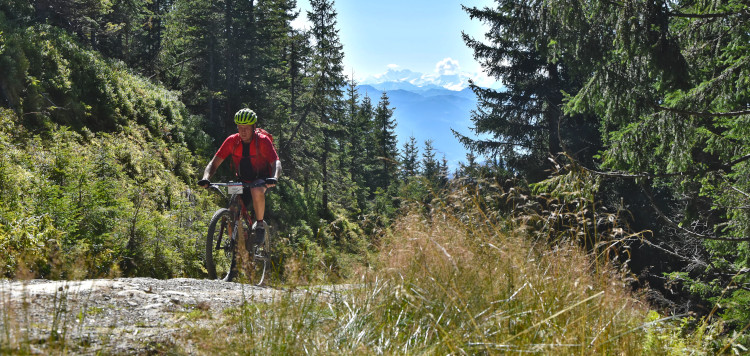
<point x="244" y="184"/>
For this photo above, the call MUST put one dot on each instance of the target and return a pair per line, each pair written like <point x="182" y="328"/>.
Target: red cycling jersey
<point x="262" y="163"/>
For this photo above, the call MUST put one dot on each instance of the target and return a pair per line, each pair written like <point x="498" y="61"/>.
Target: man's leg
<point x="259" y="202"/>
<point x="259" y="206"/>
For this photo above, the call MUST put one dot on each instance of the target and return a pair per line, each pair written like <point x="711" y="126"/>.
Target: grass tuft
<point x="456" y="281"/>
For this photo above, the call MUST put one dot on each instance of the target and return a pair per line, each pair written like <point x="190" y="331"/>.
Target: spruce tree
<point x="431" y="170"/>
<point x="668" y="80"/>
<point x="329" y="82"/>
<point x="522" y="119"/>
<point x="410" y="159"/>
<point x="193" y="59"/>
<point x="385" y="138"/>
<point x="367" y="159"/>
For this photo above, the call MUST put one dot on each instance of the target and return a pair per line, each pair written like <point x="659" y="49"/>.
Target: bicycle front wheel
<point x="256" y="272"/>
<point x="221" y="248"/>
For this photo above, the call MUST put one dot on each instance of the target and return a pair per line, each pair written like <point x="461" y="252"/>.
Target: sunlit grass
<point x="456" y="280"/>
<point x="453" y="284"/>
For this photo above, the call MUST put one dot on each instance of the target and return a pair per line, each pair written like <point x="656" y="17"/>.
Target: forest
<point x="623" y="130"/>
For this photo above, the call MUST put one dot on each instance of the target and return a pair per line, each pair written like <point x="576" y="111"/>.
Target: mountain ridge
<point x="428" y="113"/>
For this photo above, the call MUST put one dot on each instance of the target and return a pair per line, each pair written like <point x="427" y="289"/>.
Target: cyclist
<point x="255" y="161"/>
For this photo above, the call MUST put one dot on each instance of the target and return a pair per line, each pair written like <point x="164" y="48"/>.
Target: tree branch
<point x="739" y="160"/>
<point x="670" y="252"/>
<point x="703" y="113"/>
<point x="648" y="193"/>
<point x="705" y="16"/>
<point x="678" y="227"/>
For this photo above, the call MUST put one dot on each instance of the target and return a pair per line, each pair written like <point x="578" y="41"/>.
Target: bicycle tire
<point x="258" y="263"/>
<point x="221" y="248"/>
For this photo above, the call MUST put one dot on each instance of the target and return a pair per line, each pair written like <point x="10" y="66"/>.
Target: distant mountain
<point x="409" y="80"/>
<point x="428" y="112"/>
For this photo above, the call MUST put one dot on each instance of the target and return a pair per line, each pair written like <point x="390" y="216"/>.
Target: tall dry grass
<point x="459" y="280"/>
<point x="458" y="277"/>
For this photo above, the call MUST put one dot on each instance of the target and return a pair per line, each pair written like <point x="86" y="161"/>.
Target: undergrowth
<point x="459" y="279"/>
<point x="460" y="276"/>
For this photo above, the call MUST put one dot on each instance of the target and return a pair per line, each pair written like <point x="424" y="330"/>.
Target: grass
<point x="452" y="281"/>
<point x="455" y="282"/>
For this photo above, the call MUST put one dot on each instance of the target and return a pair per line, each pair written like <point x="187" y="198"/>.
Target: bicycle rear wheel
<point x="221" y="248"/>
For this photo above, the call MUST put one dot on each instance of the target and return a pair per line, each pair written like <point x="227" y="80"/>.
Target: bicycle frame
<point x="234" y="191"/>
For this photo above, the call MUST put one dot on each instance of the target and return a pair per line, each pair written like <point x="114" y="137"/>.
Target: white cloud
<point x="483" y="80"/>
<point x="447" y="74"/>
<point x="448" y="66"/>
<point x="301" y="22"/>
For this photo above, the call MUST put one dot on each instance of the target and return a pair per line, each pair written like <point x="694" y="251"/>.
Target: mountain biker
<point x="255" y="161"/>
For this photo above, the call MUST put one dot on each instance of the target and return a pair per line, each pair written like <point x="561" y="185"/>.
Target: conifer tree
<point x="348" y="122"/>
<point x="523" y="119"/>
<point x="269" y="69"/>
<point x="328" y="89"/>
<point x="298" y="56"/>
<point x="410" y="158"/>
<point x="430" y="167"/>
<point x="443" y="172"/>
<point x="367" y="157"/>
<point x="385" y="138"/>
<point x="668" y="80"/>
<point x="351" y="187"/>
<point x="193" y="58"/>
<point x="470" y="168"/>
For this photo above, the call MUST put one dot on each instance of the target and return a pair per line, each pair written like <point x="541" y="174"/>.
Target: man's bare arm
<point x="211" y="169"/>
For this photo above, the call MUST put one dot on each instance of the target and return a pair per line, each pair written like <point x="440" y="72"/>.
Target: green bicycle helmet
<point x="245" y="117"/>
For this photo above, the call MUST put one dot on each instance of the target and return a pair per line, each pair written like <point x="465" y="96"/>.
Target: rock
<point x="120" y="316"/>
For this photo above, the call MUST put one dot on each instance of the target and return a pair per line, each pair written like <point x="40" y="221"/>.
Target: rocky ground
<point x="116" y="316"/>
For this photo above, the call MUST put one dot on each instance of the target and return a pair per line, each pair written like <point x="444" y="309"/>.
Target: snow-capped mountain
<point x="429" y="106"/>
<point x="406" y="79"/>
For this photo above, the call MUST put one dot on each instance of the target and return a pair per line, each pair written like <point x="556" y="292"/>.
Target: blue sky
<point x="419" y="35"/>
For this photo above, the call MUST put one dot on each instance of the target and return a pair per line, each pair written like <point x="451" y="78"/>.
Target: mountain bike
<point x="229" y="227"/>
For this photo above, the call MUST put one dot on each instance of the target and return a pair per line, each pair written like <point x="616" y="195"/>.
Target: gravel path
<point x="117" y="316"/>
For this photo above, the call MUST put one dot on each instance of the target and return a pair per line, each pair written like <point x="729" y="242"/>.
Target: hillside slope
<point x="453" y="281"/>
<point x="96" y="167"/>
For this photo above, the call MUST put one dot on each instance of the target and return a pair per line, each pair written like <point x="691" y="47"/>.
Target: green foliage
<point x="672" y="105"/>
<point x="94" y="203"/>
<point x="74" y="195"/>
<point x="650" y="93"/>
<point x="55" y="81"/>
<point x="452" y="283"/>
<point x="682" y="336"/>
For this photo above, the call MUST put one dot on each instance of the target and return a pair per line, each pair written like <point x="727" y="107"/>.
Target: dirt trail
<point x="120" y="316"/>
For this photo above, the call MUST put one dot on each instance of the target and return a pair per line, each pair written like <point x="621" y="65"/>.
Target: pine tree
<point x="523" y="119"/>
<point x="668" y="80"/>
<point x="410" y="159"/>
<point x="443" y="173"/>
<point x="470" y="168"/>
<point x="385" y="139"/>
<point x="353" y="190"/>
<point x="269" y="72"/>
<point x="431" y="171"/>
<point x="329" y="81"/>
<point x="298" y="56"/>
<point x="193" y="59"/>
<point x="367" y="156"/>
